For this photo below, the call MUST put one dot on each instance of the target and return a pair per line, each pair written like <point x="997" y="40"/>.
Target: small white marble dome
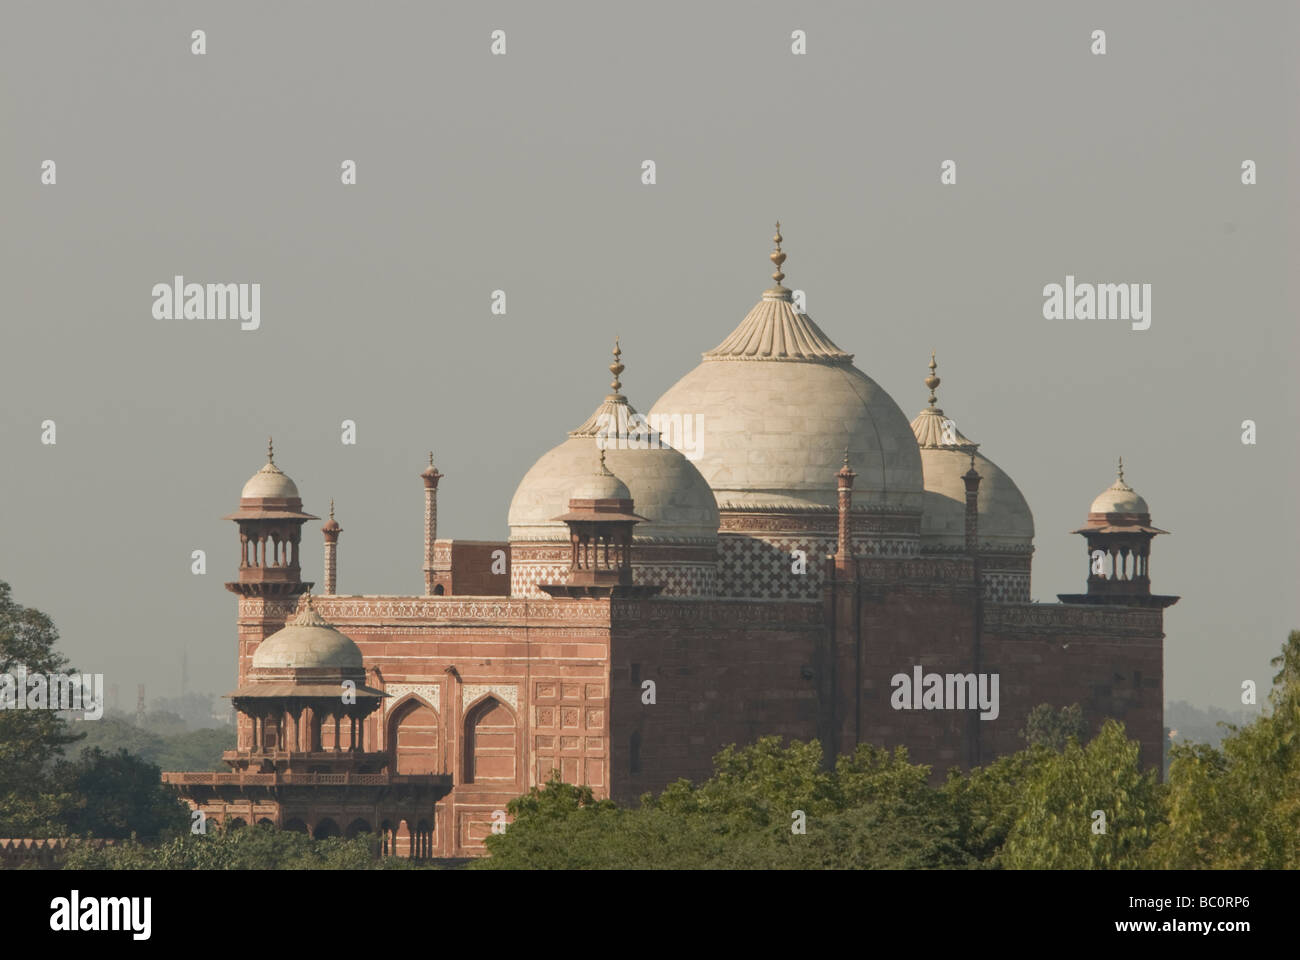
<point x="1119" y="497"/>
<point x="1005" y="519"/>
<point x="308" y="641"/>
<point x="664" y="486"/>
<point x="270" y="481"/>
<point x="601" y="485"/>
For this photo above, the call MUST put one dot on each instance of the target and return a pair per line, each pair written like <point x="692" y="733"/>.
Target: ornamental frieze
<point x="430" y="693"/>
<point x="505" y="692"/>
<point x="1061" y="618"/>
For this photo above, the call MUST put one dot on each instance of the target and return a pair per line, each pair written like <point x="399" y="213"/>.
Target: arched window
<point x="413" y="733"/>
<point x="326" y="828"/>
<point x="490" y="743"/>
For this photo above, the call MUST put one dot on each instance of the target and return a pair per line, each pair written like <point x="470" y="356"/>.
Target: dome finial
<point x="331" y="508"/>
<point x="777" y="257"/>
<point x="1121" y="469"/>
<point x="603" y="468"/>
<point x="617" y="367"/>
<point x="932" y="381"/>
<point x="270" y="451"/>
<point x="846" y="456"/>
<point x="430" y="458"/>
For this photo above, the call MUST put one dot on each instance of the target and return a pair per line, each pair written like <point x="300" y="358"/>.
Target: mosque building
<point x="818" y="568"/>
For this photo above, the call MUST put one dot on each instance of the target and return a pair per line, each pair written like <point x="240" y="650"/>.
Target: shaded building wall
<point x="910" y="612"/>
<point x="1109" y="660"/>
<point x="724" y="671"/>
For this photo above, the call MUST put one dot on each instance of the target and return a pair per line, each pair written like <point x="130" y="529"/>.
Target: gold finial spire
<point x="777" y="257"/>
<point x="617" y="367"/>
<point x="270" y="451"/>
<point x="846" y="456"/>
<point x="1121" y="469"/>
<point x="932" y="381"/>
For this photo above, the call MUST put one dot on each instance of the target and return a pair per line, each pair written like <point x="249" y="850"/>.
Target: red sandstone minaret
<point x="1119" y="535"/>
<point x="270" y="519"/>
<point x="431" y="476"/>
<point x="845" y="566"/>
<point x="331" y="531"/>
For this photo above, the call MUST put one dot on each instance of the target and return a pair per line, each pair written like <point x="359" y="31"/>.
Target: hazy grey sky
<point x="523" y="173"/>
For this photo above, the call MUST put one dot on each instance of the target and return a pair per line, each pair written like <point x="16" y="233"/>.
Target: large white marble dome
<point x="780" y="402"/>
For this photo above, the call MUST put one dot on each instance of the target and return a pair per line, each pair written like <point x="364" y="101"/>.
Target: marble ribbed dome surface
<point x="601" y="485"/>
<point x="308" y="641"/>
<point x="270" y="481"/>
<point x="780" y="402"/>
<point x="664" y="486"/>
<point x="1005" y="519"/>
<point x="1119" y="497"/>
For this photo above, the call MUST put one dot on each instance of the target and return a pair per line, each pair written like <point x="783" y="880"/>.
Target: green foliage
<point x="119" y="796"/>
<point x="1053" y="729"/>
<point x="1054" y="828"/>
<point x="247" y="848"/>
<point x="30" y="800"/>
<point x="1239" y="805"/>
<point x="873" y="811"/>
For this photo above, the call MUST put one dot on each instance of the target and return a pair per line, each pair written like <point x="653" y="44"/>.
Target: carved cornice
<point x="1054" y="618"/>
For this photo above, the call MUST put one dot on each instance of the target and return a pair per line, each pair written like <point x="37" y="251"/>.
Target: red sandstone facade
<point x="488" y="694"/>
<point x="668" y="613"/>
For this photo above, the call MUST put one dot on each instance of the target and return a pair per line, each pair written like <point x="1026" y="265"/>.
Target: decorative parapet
<point x="718" y="611"/>
<point x="45" y="853"/>
<point x="211" y="779"/>
<point x="381" y="610"/>
<point x="1055" y="618"/>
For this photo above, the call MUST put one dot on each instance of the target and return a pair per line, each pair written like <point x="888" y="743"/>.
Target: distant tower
<point x="1119" y="535"/>
<point x="431" y="476"/>
<point x="600" y="521"/>
<point x="270" y="519"/>
<point x="331" y="531"/>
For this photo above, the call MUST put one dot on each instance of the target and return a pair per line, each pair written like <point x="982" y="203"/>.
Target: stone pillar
<point x="845" y="566"/>
<point x="430" y="476"/>
<point x="972" y="481"/>
<point x="331" y="531"/>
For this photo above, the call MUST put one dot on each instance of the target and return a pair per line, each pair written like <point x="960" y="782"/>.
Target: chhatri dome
<point x="1005" y="520"/>
<point x="308" y="642"/>
<point x="270" y="482"/>
<point x="780" y="402"/>
<point x="601" y="485"/>
<point x="1119" y="497"/>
